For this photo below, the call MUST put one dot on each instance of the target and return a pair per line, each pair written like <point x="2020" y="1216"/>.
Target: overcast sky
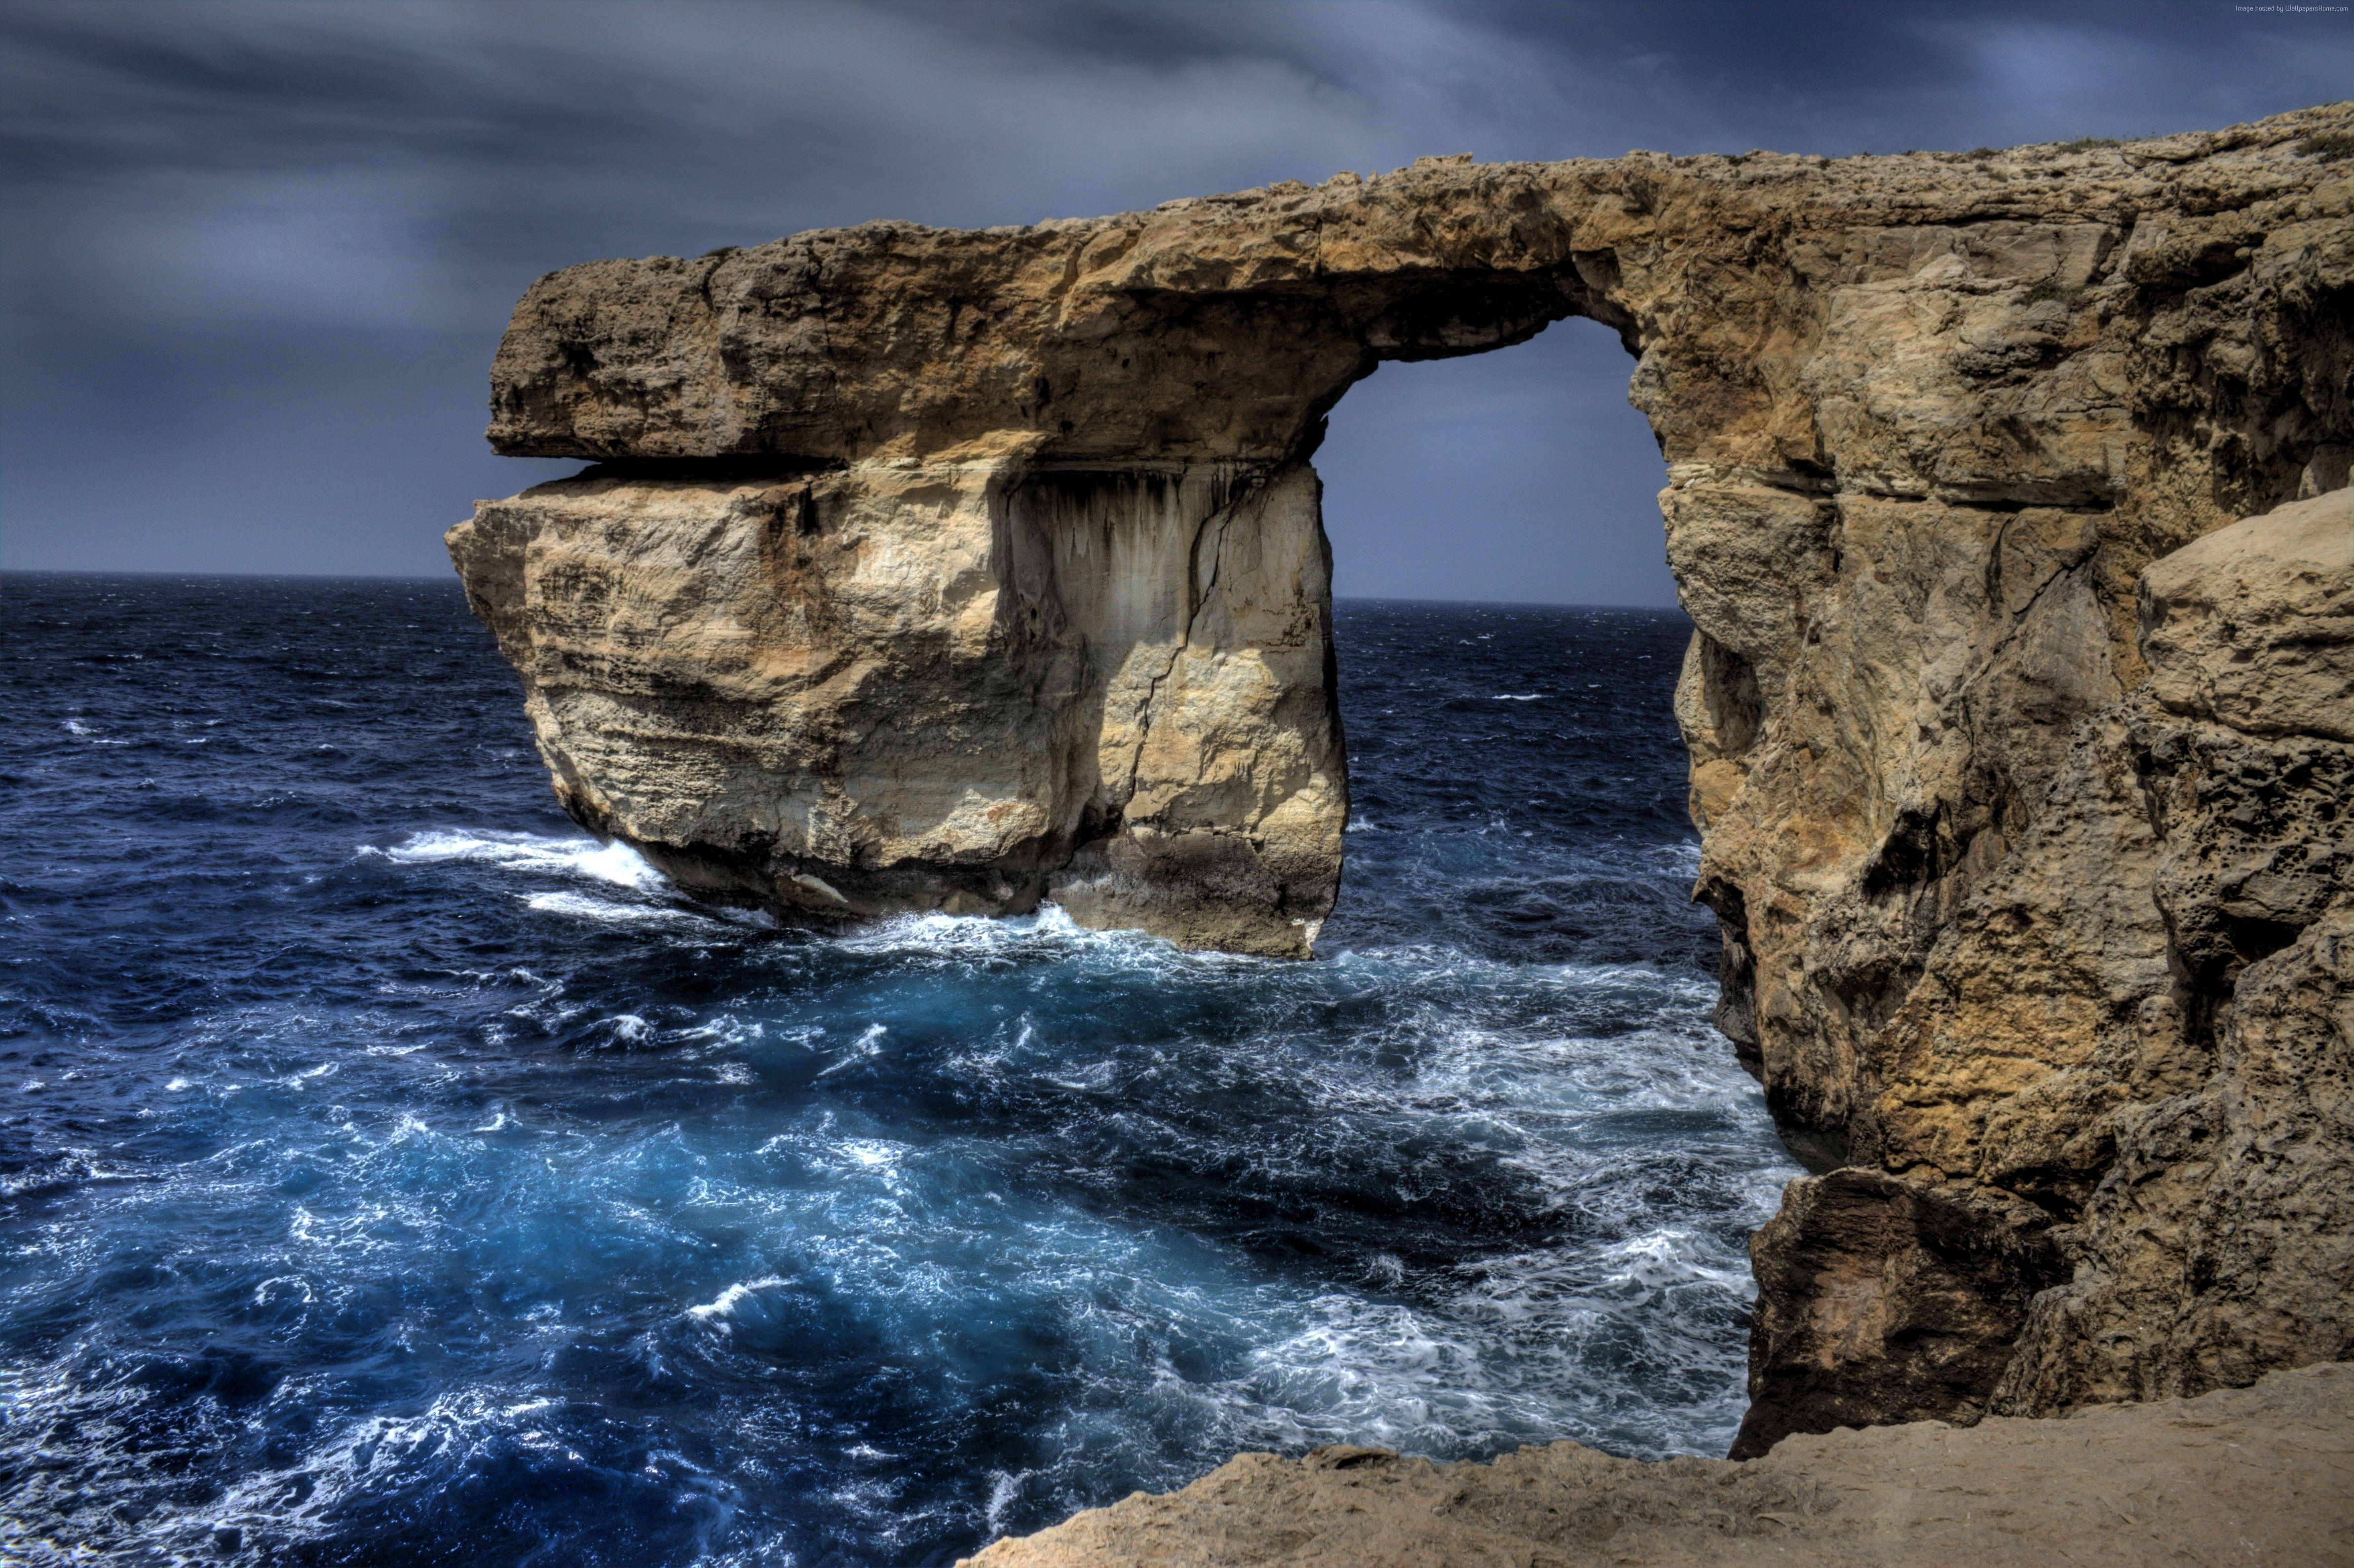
<point x="256" y="257"/>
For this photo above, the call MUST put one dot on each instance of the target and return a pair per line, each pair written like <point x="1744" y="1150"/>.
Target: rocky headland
<point x="925" y="569"/>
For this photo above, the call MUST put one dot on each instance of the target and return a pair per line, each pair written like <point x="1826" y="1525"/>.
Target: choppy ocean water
<point x="389" y="1174"/>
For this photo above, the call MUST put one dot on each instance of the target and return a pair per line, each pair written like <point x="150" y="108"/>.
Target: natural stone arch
<point x="945" y="569"/>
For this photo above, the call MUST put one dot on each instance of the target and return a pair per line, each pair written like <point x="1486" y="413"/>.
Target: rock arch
<point x="935" y="570"/>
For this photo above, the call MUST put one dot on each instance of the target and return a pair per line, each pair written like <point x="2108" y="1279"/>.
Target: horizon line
<point x="451" y="580"/>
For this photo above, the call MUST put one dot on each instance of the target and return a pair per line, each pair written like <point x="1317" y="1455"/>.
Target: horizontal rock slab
<point x="2266" y="1473"/>
<point x="1863" y="316"/>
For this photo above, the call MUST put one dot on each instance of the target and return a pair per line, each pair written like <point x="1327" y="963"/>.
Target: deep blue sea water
<point x="390" y="1174"/>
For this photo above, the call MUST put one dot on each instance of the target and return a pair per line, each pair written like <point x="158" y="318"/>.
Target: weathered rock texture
<point x="2264" y="1474"/>
<point x="935" y="569"/>
<point x="2103" y="1143"/>
<point x="945" y="684"/>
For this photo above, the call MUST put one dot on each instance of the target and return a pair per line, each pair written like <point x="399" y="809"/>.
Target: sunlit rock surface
<point x="960" y="570"/>
<point x="2264" y="1474"/>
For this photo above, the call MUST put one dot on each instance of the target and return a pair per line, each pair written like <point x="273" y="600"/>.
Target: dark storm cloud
<point x="257" y="256"/>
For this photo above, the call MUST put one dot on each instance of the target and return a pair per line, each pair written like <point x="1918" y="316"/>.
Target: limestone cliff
<point x="949" y="685"/>
<point x="941" y="569"/>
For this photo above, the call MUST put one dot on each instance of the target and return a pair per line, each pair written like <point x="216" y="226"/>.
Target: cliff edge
<point x="2261" y="1473"/>
<point x="2005" y="491"/>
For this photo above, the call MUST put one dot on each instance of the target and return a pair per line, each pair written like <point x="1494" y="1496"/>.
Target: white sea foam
<point x="284" y="1287"/>
<point x="868" y="1045"/>
<point x="1672" y="1255"/>
<point x="1005" y="1487"/>
<point x="578" y="856"/>
<point x="68" y="1171"/>
<point x="974" y="935"/>
<point x="306" y="1497"/>
<point x="606" y="912"/>
<point x="719" y="1314"/>
<point x="725" y="1030"/>
<point x="871" y="1152"/>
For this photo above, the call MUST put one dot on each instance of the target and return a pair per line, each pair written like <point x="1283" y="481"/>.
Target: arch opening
<point x="1518" y="863"/>
<point x="1517" y="475"/>
<point x="1506" y="646"/>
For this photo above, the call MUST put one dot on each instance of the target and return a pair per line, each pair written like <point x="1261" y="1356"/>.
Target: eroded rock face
<point x="960" y="570"/>
<point x="2127" y="1053"/>
<point x="941" y="687"/>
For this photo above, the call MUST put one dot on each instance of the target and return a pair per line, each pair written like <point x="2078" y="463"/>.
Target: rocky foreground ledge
<point x="2258" y="1475"/>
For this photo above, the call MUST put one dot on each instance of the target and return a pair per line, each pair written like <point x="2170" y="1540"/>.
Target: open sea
<point x="390" y="1174"/>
